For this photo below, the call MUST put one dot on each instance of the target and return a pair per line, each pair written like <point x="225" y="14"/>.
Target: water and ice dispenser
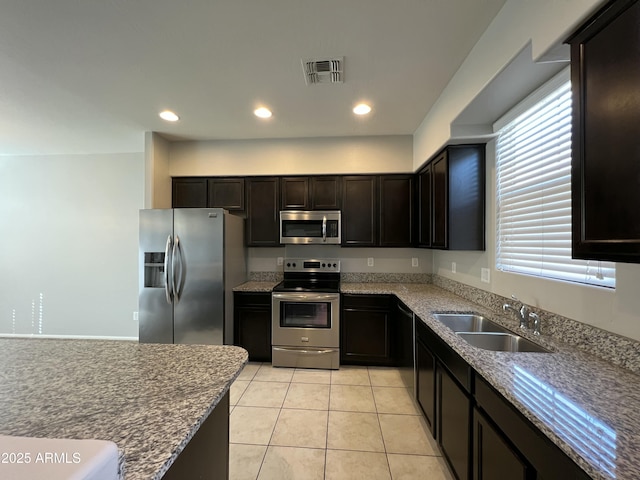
<point x="154" y="274"/>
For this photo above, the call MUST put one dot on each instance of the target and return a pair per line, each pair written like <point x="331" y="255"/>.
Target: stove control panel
<point x="314" y="265"/>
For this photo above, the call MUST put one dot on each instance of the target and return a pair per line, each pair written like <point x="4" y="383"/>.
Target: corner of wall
<point x="157" y="180"/>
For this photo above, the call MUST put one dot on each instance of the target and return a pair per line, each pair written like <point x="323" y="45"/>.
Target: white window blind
<point x="534" y="191"/>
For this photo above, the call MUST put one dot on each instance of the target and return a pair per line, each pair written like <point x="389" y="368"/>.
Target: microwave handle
<point x="324" y="228"/>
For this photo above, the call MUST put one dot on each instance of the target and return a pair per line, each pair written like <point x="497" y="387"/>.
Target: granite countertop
<point x="148" y="399"/>
<point x="585" y="405"/>
<point x="256" y="286"/>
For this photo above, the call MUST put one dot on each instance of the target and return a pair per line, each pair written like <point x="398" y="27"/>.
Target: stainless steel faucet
<point x="522" y="313"/>
<point x="536" y="322"/>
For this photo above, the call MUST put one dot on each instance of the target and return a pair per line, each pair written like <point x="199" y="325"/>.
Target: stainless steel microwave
<point x="310" y="227"/>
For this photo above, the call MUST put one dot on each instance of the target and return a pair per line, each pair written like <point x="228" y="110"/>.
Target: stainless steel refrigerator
<point x="190" y="259"/>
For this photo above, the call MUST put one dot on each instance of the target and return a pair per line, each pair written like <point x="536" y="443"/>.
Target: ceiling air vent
<point x="326" y="70"/>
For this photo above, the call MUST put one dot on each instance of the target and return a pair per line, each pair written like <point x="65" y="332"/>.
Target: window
<point x="534" y="190"/>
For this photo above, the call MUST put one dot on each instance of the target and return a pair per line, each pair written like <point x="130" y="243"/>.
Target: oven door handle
<point x="305" y="297"/>
<point x="297" y="350"/>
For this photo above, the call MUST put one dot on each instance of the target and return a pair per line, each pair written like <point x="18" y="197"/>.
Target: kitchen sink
<point x="468" y="322"/>
<point x="501" y="342"/>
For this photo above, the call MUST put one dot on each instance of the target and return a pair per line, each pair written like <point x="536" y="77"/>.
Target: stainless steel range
<point x="305" y="327"/>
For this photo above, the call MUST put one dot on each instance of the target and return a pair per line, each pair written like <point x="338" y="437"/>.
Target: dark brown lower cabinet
<point x="481" y="435"/>
<point x="426" y="384"/>
<point x="521" y="439"/>
<point x="252" y="324"/>
<point x="454" y="420"/>
<point x="365" y="330"/>
<point x="494" y="458"/>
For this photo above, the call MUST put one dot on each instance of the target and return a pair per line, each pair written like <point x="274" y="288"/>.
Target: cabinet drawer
<point x="367" y="302"/>
<point x="252" y="299"/>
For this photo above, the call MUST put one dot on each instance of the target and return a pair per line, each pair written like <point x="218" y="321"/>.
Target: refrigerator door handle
<point x="168" y="260"/>
<point x="178" y="283"/>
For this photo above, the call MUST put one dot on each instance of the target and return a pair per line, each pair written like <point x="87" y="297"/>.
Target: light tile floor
<point x="353" y="423"/>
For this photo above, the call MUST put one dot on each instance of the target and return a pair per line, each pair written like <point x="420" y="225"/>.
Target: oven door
<point x="305" y="319"/>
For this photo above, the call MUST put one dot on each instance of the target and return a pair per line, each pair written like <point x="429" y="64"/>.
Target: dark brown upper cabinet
<point x="424" y="209"/>
<point x="189" y="193"/>
<point x="326" y="192"/>
<point x="295" y="193"/>
<point x="396" y="210"/>
<point x="226" y="193"/>
<point x="359" y="210"/>
<point x="377" y="210"/>
<point x="440" y="201"/>
<point x="310" y="193"/>
<point x="262" y="225"/>
<point x="451" y="199"/>
<point x="605" y="168"/>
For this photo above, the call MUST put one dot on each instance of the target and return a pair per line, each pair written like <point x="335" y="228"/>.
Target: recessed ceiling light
<point x="262" y="112"/>
<point x="361" y="109"/>
<point x="169" y="116"/>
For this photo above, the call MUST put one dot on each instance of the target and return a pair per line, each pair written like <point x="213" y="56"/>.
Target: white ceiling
<point x="90" y="76"/>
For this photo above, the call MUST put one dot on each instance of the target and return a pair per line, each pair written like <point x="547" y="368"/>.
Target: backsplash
<point x="359" y="277"/>
<point x="265" y="276"/>
<point x="614" y="348"/>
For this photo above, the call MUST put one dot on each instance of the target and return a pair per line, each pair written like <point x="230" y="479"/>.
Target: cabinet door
<point x="253" y="332"/>
<point x="440" y="205"/>
<point x="396" y="210"/>
<point x="453" y="423"/>
<point x="262" y="212"/>
<point x="252" y="324"/>
<point x="493" y="456"/>
<point x="404" y="344"/>
<point x="295" y="193"/>
<point x="189" y="193"/>
<point x="365" y="330"/>
<point x="365" y="337"/>
<point x="226" y="193"/>
<point x="426" y="384"/>
<point x="325" y="193"/>
<point x="466" y="197"/>
<point x="424" y="207"/>
<point x="605" y="68"/>
<point x="359" y="211"/>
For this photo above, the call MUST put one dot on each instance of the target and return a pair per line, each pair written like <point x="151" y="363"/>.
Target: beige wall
<point x="69" y="244"/>
<point x="157" y="184"/>
<point x="313" y="156"/>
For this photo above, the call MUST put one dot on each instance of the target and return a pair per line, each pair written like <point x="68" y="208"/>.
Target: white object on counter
<point x="23" y="458"/>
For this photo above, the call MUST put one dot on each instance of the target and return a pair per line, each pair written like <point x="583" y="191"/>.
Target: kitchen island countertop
<point x="148" y="399"/>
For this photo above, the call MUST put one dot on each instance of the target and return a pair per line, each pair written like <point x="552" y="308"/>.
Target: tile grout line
<point x="326" y="450"/>
<point x="384" y="443"/>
